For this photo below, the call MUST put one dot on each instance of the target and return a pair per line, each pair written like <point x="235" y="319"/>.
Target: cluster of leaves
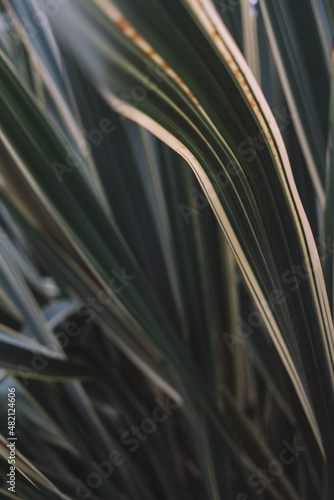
<point x="166" y="249"/>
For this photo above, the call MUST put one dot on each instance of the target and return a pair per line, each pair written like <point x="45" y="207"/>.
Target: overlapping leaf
<point x="195" y="108"/>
